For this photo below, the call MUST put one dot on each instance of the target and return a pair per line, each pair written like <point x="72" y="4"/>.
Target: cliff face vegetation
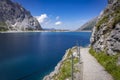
<point x="106" y="32"/>
<point x="14" y="17"/>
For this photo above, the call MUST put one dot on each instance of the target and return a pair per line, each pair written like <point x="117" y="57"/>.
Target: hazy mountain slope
<point x="14" y="17"/>
<point x="88" y="26"/>
<point x="106" y="33"/>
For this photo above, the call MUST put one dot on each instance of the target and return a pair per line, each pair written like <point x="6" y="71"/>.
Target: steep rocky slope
<point x="106" y="32"/>
<point x="14" y="17"/>
<point x="88" y="26"/>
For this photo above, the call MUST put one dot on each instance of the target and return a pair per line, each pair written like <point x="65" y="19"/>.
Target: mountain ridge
<point x="88" y="26"/>
<point x="14" y="17"/>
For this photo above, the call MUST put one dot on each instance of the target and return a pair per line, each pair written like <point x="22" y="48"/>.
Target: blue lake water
<point x="30" y="56"/>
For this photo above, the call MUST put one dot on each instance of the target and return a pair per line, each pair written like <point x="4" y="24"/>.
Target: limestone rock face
<point x="106" y="33"/>
<point x="14" y="17"/>
<point x="111" y="1"/>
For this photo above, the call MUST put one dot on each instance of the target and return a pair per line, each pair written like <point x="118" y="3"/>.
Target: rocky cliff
<point x="14" y="17"/>
<point x="88" y="26"/>
<point x="106" y="32"/>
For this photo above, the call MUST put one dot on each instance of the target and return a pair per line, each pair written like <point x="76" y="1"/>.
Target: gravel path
<point x="92" y="70"/>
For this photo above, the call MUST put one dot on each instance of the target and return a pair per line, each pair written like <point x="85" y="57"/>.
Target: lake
<point x="32" y="55"/>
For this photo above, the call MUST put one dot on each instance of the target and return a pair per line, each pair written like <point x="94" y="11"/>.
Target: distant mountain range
<point x="88" y="26"/>
<point x="16" y="18"/>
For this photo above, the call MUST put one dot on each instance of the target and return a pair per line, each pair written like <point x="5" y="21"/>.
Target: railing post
<point x="78" y="50"/>
<point x="79" y="55"/>
<point x="72" y="67"/>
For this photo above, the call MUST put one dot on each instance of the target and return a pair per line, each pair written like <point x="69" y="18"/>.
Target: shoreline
<point x="29" y="31"/>
<point x="53" y="75"/>
<point x="56" y="68"/>
<point x="38" y="31"/>
<point x="83" y="31"/>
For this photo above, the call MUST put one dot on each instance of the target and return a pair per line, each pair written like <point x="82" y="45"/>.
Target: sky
<point x="63" y="14"/>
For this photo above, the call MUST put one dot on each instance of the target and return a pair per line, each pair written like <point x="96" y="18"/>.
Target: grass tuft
<point x="65" y="69"/>
<point x="108" y="62"/>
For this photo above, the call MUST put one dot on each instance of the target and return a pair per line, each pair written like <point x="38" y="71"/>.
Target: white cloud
<point x="42" y="18"/>
<point x="57" y="18"/>
<point x="49" y="21"/>
<point x="58" y="23"/>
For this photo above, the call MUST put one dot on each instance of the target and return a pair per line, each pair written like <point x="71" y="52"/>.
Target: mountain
<point x="88" y="26"/>
<point x="106" y="33"/>
<point x="16" y="18"/>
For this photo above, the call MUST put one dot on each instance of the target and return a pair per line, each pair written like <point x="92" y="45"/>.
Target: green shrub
<point x="2" y="26"/>
<point x="108" y="62"/>
<point x="105" y="19"/>
<point x="117" y="17"/>
<point x="100" y="22"/>
<point x="65" y="69"/>
<point x="3" y="29"/>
